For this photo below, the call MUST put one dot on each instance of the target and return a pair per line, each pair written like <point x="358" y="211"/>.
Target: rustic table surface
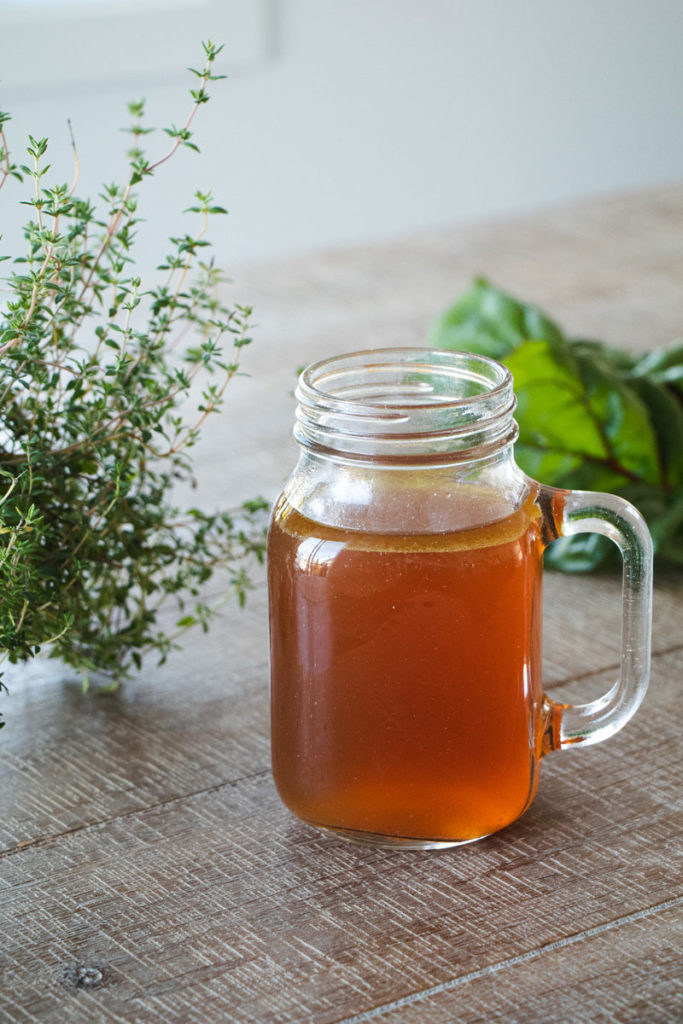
<point x="149" y="871"/>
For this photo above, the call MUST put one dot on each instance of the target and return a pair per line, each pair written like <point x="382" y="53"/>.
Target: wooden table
<point x="149" y="871"/>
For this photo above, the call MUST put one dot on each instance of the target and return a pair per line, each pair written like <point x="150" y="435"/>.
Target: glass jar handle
<point x="613" y="517"/>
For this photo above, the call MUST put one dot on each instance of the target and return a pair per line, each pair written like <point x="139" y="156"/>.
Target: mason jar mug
<point x="405" y="568"/>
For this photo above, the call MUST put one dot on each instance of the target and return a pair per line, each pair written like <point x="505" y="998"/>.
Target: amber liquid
<point x="406" y="693"/>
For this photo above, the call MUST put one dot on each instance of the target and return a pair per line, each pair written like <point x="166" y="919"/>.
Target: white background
<point x="351" y="120"/>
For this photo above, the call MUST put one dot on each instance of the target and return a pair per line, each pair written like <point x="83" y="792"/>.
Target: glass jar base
<point x="390" y="842"/>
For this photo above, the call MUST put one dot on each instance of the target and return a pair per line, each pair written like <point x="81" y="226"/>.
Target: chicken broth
<point x="406" y="690"/>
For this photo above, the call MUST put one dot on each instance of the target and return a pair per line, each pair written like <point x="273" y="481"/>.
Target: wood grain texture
<point x="148" y="871"/>
<point x="574" y="979"/>
<point x="222" y="903"/>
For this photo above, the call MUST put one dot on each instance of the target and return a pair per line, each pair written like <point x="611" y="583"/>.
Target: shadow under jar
<point x="405" y="569"/>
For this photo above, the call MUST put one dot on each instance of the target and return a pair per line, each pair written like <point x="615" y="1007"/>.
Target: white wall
<point x="366" y="119"/>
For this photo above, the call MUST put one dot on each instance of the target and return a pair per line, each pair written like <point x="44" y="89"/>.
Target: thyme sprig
<point x="99" y="412"/>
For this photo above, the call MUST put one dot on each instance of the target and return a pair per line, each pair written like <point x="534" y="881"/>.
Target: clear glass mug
<point x="405" y="568"/>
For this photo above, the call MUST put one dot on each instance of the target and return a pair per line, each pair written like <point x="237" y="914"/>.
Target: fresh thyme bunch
<point x="99" y="411"/>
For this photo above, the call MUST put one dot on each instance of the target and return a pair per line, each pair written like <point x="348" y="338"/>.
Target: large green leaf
<point x="665" y="412"/>
<point x="552" y="410"/>
<point x="622" y="418"/>
<point x="488" y="321"/>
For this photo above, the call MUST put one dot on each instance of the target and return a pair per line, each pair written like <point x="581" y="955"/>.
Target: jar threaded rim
<point x="400" y="404"/>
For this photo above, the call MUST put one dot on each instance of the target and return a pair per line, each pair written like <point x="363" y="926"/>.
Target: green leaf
<point x="665" y="412"/>
<point x="584" y="552"/>
<point x="667" y="530"/>
<point x="186" y="621"/>
<point x="663" y="366"/>
<point x="487" y="321"/>
<point x="622" y="416"/>
<point x="552" y="410"/>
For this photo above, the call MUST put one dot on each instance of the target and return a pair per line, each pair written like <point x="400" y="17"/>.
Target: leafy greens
<point x="590" y="417"/>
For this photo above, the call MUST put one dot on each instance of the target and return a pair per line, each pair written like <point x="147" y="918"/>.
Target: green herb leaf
<point x="97" y="420"/>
